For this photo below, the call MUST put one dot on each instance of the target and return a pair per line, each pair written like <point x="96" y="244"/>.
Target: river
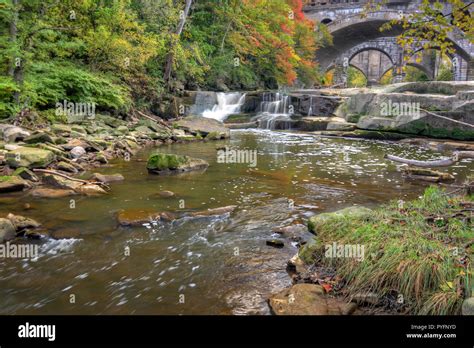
<point x="207" y="265"/>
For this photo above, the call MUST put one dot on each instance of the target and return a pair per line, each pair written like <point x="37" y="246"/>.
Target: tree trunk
<point x="15" y="70"/>
<point x="446" y="162"/>
<point x="179" y="30"/>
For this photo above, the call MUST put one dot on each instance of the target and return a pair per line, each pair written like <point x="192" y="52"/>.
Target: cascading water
<point x="227" y="104"/>
<point x="274" y="111"/>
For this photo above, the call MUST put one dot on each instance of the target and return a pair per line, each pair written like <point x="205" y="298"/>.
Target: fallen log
<point x="445" y="162"/>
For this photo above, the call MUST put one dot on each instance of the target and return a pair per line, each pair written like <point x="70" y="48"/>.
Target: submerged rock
<point x="215" y="211"/>
<point x="90" y="190"/>
<point x="29" y="157"/>
<point x="51" y="193"/>
<point x="107" y="178"/>
<point x="276" y="243"/>
<point x="137" y="217"/>
<point x="7" y="230"/>
<point x="164" y="164"/>
<point x="300" y="299"/>
<point x="166" y="194"/>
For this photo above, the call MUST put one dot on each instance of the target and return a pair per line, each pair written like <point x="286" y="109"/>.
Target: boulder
<point x="29" y="157"/>
<point x="201" y="125"/>
<point x="300" y="299"/>
<point x="12" y="184"/>
<point x="22" y="223"/>
<point x="77" y="152"/>
<point x="163" y="164"/>
<point x="13" y="133"/>
<point x="317" y="221"/>
<point x="107" y="178"/>
<point x="90" y="190"/>
<point x="61" y="129"/>
<point x="7" y="230"/>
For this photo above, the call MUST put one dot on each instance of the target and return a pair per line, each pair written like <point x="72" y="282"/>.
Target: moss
<point x="4" y="178"/>
<point x="415" y="250"/>
<point x="421" y="128"/>
<point x="214" y="136"/>
<point x="162" y="161"/>
<point x="354" y="118"/>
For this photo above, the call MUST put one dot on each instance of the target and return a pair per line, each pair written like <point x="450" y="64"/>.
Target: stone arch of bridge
<point x="354" y="30"/>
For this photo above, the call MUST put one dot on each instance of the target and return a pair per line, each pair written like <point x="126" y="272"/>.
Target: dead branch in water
<point x="446" y="162"/>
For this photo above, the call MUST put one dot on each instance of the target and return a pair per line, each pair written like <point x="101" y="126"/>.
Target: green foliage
<point x="355" y="78"/>
<point x="415" y="250"/>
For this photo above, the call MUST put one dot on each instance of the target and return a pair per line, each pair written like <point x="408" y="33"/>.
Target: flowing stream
<point x="215" y="265"/>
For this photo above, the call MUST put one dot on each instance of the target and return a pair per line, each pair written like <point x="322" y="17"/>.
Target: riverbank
<point x="403" y="258"/>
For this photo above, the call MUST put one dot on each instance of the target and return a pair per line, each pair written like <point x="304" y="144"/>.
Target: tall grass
<point x="418" y="251"/>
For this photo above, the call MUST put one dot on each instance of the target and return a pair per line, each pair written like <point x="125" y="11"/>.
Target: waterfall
<point x="227" y="104"/>
<point x="310" y="110"/>
<point x="274" y="111"/>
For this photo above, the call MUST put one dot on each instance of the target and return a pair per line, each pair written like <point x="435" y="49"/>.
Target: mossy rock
<point x="161" y="163"/>
<point x="30" y="158"/>
<point x="315" y="222"/>
<point x="308" y="252"/>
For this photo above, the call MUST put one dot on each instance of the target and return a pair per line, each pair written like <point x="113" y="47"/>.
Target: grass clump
<point x="421" y="250"/>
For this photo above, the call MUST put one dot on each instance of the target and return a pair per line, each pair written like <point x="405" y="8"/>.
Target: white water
<point x="227" y="104"/>
<point x="275" y="107"/>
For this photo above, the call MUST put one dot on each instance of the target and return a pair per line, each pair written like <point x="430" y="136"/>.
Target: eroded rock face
<point x="165" y="164"/>
<point x="410" y="108"/>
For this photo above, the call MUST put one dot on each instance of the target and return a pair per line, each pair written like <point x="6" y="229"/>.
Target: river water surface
<point x="212" y="265"/>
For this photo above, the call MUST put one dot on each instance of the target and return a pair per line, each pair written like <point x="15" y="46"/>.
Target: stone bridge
<point x="358" y="42"/>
